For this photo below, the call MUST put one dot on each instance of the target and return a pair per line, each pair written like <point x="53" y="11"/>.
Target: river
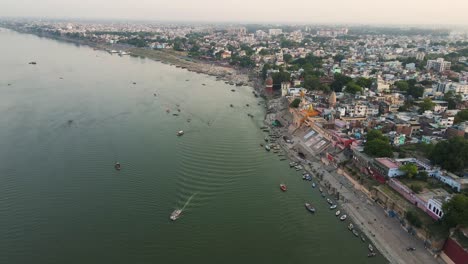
<point x="64" y="123"/>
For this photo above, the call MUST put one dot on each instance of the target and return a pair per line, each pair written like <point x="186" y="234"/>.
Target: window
<point x="430" y="206"/>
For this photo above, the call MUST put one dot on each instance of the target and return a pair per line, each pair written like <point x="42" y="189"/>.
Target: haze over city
<point x="427" y="12"/>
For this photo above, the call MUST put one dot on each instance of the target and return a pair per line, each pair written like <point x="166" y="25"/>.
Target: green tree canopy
<point x="461" y="116"/>
<point x="426" y="104"/>
<point x="451" y="154"/>
<point x="364" y="82"/>
<point x="456" y="211"/>
<point x="295" y="103"/>
<point x="401" y="85"/>
<point x="353" y="88"/>
<point x="339" y="82"/>
<point x="287" y="58"/>
<point x="377" y="145"/>
<point x="409" y="169"/>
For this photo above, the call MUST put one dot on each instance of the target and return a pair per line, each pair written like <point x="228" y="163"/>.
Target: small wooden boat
<point x="371" y="248"/>
<point x="333" y="206"/>
<point x="180" y="133"/>
<point x="338" y="213"/>
<point x="320" y="189"/>
<point x="313" y="185"/>
<point x="330" y="202"/>
<point x="343" y="217"/>
<point x="350" y="226"/>
<point x="283" y="187"/>
<point x="117" y="166"/>
<point x="370" y="255"/>
<point x="363" y="239"/>
<point x="309" y="207"/>
<point x="355" y="233"/>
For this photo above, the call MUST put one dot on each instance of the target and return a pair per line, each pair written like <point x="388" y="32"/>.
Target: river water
<point x="62" y="201"/>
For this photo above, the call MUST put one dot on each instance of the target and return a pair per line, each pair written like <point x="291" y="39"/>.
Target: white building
<point x="438" y="65"/>
<point x="434" y="207"/>
<point x="275" y="31"/>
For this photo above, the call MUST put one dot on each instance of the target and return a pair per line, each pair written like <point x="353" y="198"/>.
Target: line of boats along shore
<point x="306" y="176"/>
<point x="274" y="147"/>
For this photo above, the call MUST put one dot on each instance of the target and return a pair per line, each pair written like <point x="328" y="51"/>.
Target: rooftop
<point x="389" y="163"/>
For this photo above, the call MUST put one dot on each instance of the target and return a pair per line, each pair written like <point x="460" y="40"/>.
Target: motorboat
<point x="323" y="195"/>
<point x="343" y="217"/>
<point x="313" y="185"/>
<point x="363" y="239"/>
<point x="371" y="248"/>
<point x="283" y="187"/>
<point x="350" y="226"/>
<point x="117" y="166"/>
<point x="338" y="213"/>
<point x="309" y="207"/>
<point x="330" y="202"/>
<point x="370" y="255"/>
<point x="320" y="189"/>
<point x="180" y="133"/>
<point x="355" y="232"/>
<point x="175" y="215"/>
<point x="333" y="206"/>
<point x="266" y="139"/>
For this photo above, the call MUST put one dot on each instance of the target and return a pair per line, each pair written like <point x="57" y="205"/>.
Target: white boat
<point x="180" y="133"/>
<point x="113" y="51"/>
<point x="338" y="213"/>
<point x="267" y="148"/>
<point x="343" y="217"/>
<point x="175" y="215"/>
<point x="350" y="226"/>
<point x="371" y="248"/>
<point x="333" y="206"/>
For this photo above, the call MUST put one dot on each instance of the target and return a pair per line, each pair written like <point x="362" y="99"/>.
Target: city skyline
<point x="296" y="11"/>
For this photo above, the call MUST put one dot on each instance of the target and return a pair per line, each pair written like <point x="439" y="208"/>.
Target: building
<point x="387" y="167"/>
<point x="284" y="88"/>
<point x="438" y="65"/>
<point x="420" y="56"/>
<point x="434" y="207"/>
<point x="275" y="31"/>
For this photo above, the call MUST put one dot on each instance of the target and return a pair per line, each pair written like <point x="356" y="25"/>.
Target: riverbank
<point x="385" y="233"/>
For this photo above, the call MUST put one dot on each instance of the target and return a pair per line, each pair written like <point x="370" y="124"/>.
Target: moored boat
<point x="117" y="166"/>
<point x="343" y="217"/>
<point x="370" y="255"/>
<point x="333" y="206"/>
<point x="338" y="213"/>
<point x="330" y="202"/>
<point x="283" y="187"/>
<point x="363" y="239"/>
<point x="313" y="185"/>
<point x="309" y="207"/>
<point x="267" y="148"/>
<point x="180" y="133"/>
<point x="355" y="232"/>
<point x="350" y="226"/>
<point x="371" y="248"/>
<point x="175" y="215"/>
<point x="320" y="189"/>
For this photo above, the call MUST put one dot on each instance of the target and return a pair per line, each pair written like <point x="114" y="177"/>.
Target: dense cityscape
<point x="384" y="110"/>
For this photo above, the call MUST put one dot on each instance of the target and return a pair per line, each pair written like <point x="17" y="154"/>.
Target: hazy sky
<point x="314" y="11"/>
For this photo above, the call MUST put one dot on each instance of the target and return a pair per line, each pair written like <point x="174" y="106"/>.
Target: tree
<point x="415" y="91"/>
<point x="452" y="99"/>
<point x="339" y="82"/>
<point x="338" y="57"/>
<point x="426" y="104"/>
<point x="280" y="77"/>
<point x="422" y="175"/>
<point x="413" y="219"/>
<point x="364" y="82"/>
<point x="295" y="103"/>
<point x="353" y="88"/>
<point x="456" y="211"/>
<point x="287" y="58"/>
<point x="461" y="116"/>
<point x="311" y="82"/>
<point x="401" y="85"/>
<point x="378" y="148"/>
<point x="416" y="188"/>
<point x="409" y="169"/>
<point x="375" y="134"/>
<point x="451" y="154"/>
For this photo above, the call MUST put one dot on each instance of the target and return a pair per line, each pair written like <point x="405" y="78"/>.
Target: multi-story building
<point x="438" y="65"/>
<point x="275" y="31"/>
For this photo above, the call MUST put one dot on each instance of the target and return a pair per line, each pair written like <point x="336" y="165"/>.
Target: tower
<point x="284" y="88"/>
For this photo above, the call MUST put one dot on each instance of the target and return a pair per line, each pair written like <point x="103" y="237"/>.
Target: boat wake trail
<point x="188" y="201"/>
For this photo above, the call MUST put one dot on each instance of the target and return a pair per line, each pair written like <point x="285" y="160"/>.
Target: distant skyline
<point x="416" y="12"/>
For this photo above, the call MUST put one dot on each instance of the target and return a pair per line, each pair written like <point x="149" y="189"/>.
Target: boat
<point x="232" y="90"/>
<point x="261" y="145"/>
<point x="175" y="114"/>
<point x="350" y="226"/>
<point x="338" y="213"/>
<point x="333" y="206"/>
<point x="320" y="189"/>
<point x="180" y="133"/>
<point x="343" y="217"/>
<point x="282" y="159"/>
<point x="283" y="187"/>
<point x="117" y="166"/>
<point x="329" y="201"/>
<point x="355" y="232"/>
<point x="175" y="215"/>
<point x="370" y="255"/>
<point x="313" y="185"/>
<point x="371" y="248"/>
<point x="267" y="148"/>
<point x="363" y="239"/>
<point x="266" y="139"/>
<point x="231" y="105"/>
<point x="309" y="207"/>
<point x="33" y="63"/>
<point x="323" y="195"/>
<point x="167" y="110"/>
